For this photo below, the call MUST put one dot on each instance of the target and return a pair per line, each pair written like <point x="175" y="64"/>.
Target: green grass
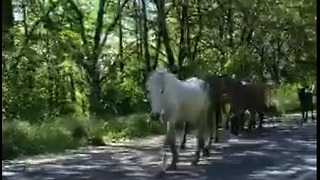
<point x="20" y="138"/>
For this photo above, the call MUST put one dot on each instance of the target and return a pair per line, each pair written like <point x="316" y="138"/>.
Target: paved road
<point x="279" y="153"/>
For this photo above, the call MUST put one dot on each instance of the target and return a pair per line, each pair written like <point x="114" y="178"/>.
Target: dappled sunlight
<point x="247" y="153"/>
<point x="282" y="172"/>
<point x="283" y="152"/>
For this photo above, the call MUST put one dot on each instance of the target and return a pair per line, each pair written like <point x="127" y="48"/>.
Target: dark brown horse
<point x="306" y="103"/>
<point x="246" y="96"/>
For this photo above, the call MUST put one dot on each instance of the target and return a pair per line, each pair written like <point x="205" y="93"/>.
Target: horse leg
<point x="235" y="124"/>
<point x="260" y="120"/>
<point x="170" y="140"/>
<point x="200" y="146"/>
<point x="306" y="116"/>
<point x="303" y="117"/>
<point x="211" y="126"/>
<point x="207" y="120"/>
<point x="184" y="137"/>
<point x="250" y="123"/>
<point x="227" y="124"/>
<point x="217" y="120"/>
<point x="312" y="116"/>
<point x="242" y="121"/>
<point x="227" y="117"/>
<point x="302" y="114"/>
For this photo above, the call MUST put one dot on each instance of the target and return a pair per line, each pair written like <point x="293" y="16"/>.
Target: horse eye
<point x="162" y="90"/>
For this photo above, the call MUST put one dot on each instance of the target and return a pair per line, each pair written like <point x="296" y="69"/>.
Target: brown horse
<point x="246" y="96"/>
<point x="241" y="97"/>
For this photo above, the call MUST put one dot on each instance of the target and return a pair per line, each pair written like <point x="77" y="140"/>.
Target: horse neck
<point x="233" y="88"/>
<point x="172" y="85"/>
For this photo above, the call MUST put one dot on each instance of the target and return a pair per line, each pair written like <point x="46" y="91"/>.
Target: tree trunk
<point x="165" y="34"/>
<point x="145" y="37"/>
<point x="121" y="63"/>
<point x="7" y="24"/>
<point x="182" y="44"/>
<point x="137" y="28"/>
<point x="95" y="103"/>
<point x="158" y="49"/>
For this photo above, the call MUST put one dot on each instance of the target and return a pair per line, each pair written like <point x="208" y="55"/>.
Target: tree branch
<point x="82" y="35"/>
<point x="80" y="19"/>
<point x="199" y="34"/>
<point x="99" y="23"/>
<point x="35" y="25"/>
<point x="112" y="25"/>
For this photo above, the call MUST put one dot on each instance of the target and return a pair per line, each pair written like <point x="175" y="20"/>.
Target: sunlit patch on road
<point x="285" y="152"/>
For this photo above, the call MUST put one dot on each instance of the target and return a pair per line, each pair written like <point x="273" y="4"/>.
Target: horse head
<point x="157" y="84"/>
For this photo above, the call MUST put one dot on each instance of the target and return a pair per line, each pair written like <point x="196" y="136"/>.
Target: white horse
<point x="177" y="100"/>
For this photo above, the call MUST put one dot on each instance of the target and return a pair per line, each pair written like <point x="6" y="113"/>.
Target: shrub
<point x="136" y="125"/>
<point x="54" y="135"/>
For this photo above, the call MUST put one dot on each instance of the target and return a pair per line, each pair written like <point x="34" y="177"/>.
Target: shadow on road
<point x="280" y="153"/>
<point x="274" y="153"/>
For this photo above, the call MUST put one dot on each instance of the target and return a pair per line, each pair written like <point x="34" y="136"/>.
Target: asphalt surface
<point x="280" y="152"/>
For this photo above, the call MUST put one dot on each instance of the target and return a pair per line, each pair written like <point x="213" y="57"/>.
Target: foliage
<point x="136" y="125"/>
<point x="66" y="58"/>
<point x="23" y="138"/>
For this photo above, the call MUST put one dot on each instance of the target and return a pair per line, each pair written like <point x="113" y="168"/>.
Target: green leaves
<point x="54" y="58"/>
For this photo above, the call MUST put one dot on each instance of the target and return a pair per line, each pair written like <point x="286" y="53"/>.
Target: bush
<point x="52" y="135"/>
<point x="55" y="135"/>
<point x="136" y="125"/>
<point x="23" y="138"/>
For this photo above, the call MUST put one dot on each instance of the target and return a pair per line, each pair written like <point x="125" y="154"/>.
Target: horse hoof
<point x="172" y="167"/>
<point x="206" y="152"/>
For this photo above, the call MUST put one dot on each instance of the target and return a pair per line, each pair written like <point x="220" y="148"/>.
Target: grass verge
<point x="21" y="138"/>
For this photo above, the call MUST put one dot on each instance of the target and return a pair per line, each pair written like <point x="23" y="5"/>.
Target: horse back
<point x="249" y="96"/>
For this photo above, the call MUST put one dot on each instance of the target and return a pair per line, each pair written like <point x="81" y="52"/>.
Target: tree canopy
<point x="92" y="57"/>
